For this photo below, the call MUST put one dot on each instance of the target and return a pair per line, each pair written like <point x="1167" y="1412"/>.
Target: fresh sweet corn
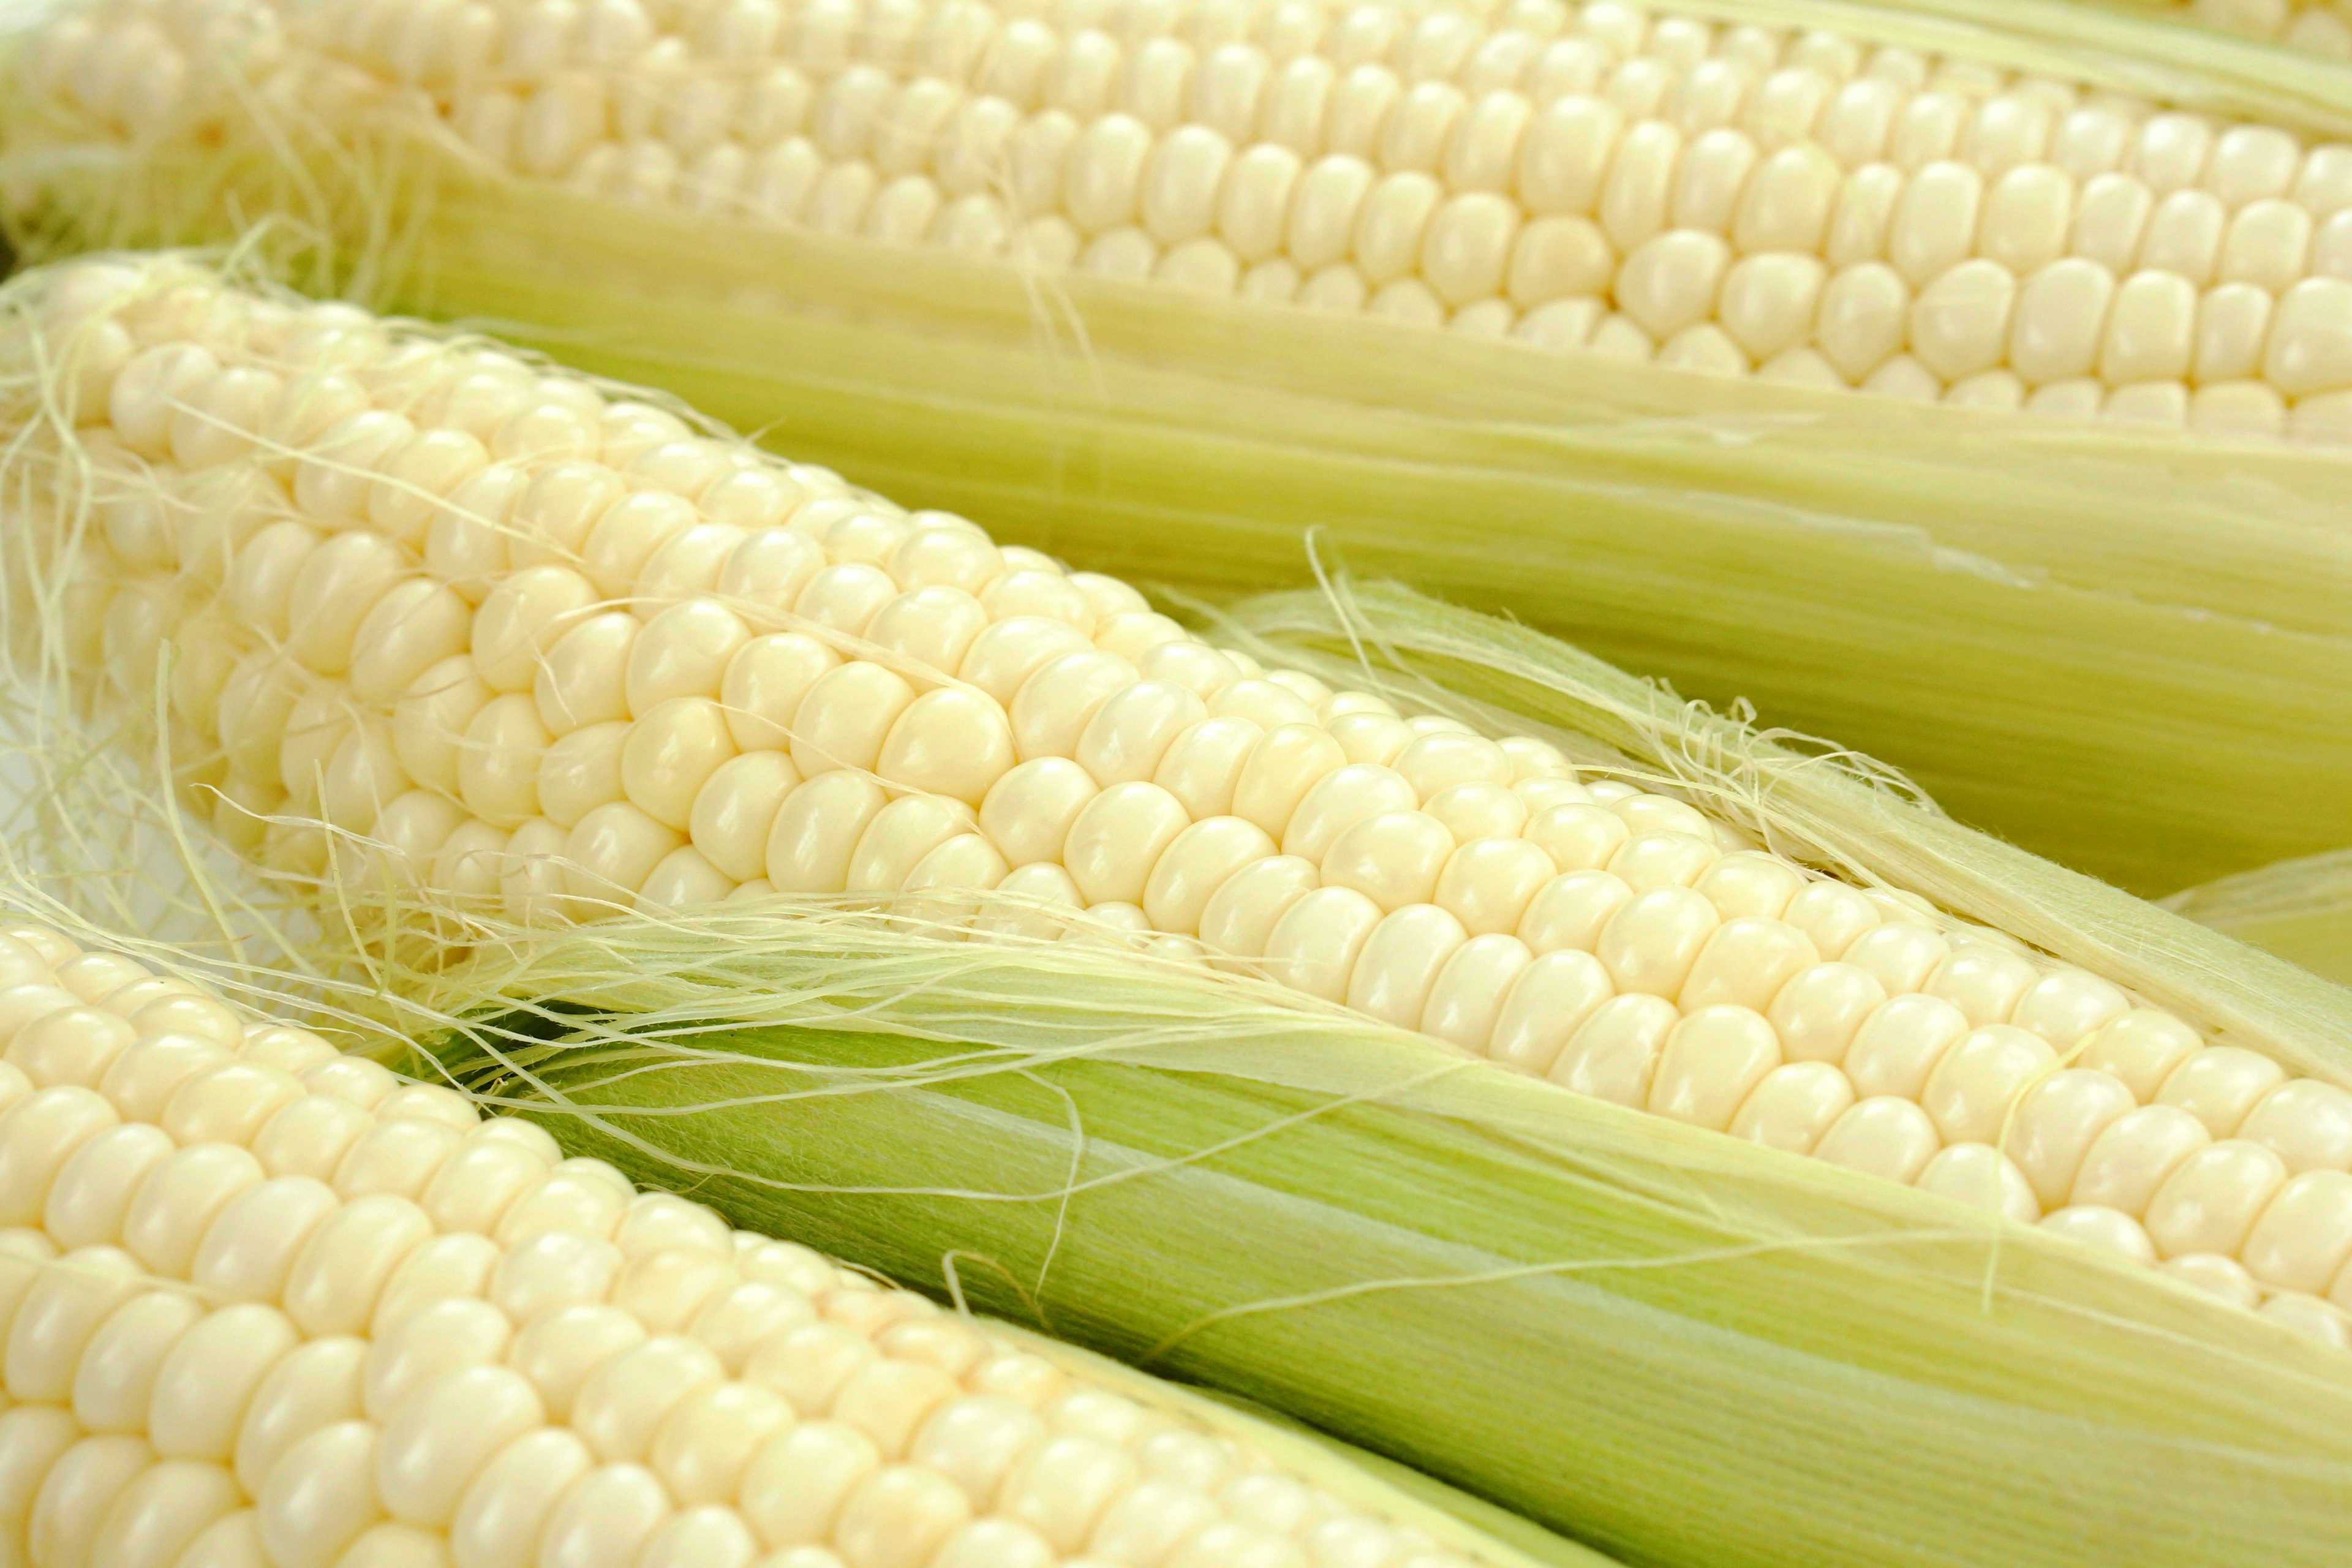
<point x="672" y="673"/>
<point x="583" y="698"/>
<point x="265" y="1305"/>
<point x="1738" y="199"/>
<point x="481" y="649"/>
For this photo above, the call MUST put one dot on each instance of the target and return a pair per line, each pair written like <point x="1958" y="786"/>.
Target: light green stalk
<point x="2123" y="650"/>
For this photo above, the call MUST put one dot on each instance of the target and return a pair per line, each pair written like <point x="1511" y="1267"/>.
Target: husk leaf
<point x="1674" y="1346"/>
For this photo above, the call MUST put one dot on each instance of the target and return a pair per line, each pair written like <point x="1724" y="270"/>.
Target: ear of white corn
<point x="1829" y="210"/>
<point x="2051" y="157"/>
<point x="451" y="638"/>
<point x="591" y="698"/>
<point x="263" y="1304"/>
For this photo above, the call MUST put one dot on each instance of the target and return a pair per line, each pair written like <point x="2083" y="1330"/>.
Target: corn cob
<point x="670" y="675"/>
<point x="263" y="1303"/>
<point x="1732" y="199"/>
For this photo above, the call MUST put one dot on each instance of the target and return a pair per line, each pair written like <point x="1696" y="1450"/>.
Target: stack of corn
<point x="266" y="1307"/>
<point x="446" y="634"/>
<point x="2081" y="214"/>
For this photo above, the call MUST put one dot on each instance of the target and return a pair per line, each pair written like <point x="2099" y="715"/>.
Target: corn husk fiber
<point x="1672" y="1346"/>
<point x="2125" y="651"/>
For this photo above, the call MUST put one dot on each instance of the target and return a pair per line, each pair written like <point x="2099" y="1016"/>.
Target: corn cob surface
<point x="268" y="1305"/>
<point x="534" y="653"/>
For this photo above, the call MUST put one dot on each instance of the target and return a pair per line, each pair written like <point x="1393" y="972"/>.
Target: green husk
<point x="2125" y="651"/>
<point x="1672" y="1345"/>
<point x="2300" y="910"/>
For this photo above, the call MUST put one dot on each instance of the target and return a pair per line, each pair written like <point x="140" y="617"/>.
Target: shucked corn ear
<point x="1741" y="199"/>
<point x="1907" y="196"/>
<point x="455" y="639"/>
<point x="266" y="1307"/>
